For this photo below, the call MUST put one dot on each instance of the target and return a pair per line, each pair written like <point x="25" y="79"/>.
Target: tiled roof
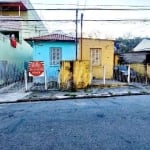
<point x="52" y="37"/>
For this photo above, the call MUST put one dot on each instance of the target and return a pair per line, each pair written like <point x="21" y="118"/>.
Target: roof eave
<point x="47" y="40"/>
<point x="15" y="3"/>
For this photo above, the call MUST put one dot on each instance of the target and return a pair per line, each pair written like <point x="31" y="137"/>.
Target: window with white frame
<point x="95" y="56"/>
<point x="55" y="55"/>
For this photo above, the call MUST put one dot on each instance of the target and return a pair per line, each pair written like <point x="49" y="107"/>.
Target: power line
<point x="73" y="20"/>
<point x="71" y="4"/>
<point x="73" y="9"/>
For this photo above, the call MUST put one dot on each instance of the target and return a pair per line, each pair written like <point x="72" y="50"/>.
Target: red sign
<point x="36" y="68"/>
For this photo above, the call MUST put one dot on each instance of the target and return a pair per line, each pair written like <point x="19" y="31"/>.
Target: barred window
<point x="95" y="56"/>
<point x="55" y="55"/>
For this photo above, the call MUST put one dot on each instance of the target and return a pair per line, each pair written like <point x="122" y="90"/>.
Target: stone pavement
<point x="16" y="92"/>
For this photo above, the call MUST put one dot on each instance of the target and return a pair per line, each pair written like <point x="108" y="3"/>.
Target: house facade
<point x="52" y="49"/>
<point x="138" y="58"/>
<point x="14" y="27"/>
<point x="100" y="53"/>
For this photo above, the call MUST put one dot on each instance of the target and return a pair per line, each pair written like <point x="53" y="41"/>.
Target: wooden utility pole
<point x="81" y="32"/>
<point x="76" y="33"/>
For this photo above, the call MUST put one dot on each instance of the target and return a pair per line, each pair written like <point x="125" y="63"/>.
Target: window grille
<point x="55" y="55"/>
<point x="95" y="56"/>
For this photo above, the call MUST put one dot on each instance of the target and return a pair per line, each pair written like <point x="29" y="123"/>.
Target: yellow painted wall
<point x="65" y="74"/>
<point x="13" y="13"/>
<point x="148" y="70"/>
<point x="141" y="69"/>
<point x="81" y="74"/>
<point x="106" y="56"/>
<point x="116" y="59"/>
<point x="76" y="72"/>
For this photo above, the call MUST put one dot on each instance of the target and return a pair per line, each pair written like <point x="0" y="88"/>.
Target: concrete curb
<point x="78" y="97"/>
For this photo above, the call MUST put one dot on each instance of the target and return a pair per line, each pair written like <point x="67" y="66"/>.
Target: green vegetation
<point x="124" y="45"/>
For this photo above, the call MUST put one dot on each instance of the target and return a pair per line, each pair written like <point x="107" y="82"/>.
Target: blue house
<point x="51" y="49"/>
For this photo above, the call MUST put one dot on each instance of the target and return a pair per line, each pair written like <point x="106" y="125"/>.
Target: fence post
<point x="128" y="73"/>
<point x="45" y="77"/>
<point x="91" y="69"/>
<point x="146" y="73"/>
<point x="58" y="79"/>
<point x="26" y="80"/>
<point x="104" y="74"/>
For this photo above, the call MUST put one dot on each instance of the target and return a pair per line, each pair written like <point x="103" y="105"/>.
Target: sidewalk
<point x="16" y="93"/>
<point x="13" y="92"/>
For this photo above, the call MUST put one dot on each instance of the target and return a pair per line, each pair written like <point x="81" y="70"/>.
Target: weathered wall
<point x="141" y="69"/>
<point x="116" y="59"/>
<point x="66" y="74"/>
<point x="74" y="74"/>
<point x="13" y="60"/>
<point x="22" y="53"/>
<point x="106" y="56"/>
<point x="81" y="74"/>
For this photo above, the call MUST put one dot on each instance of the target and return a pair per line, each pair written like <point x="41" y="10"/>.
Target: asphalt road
<point x="118" y="123"/>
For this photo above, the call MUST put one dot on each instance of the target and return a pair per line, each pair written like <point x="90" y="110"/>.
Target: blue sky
<point x="98" y="29"/>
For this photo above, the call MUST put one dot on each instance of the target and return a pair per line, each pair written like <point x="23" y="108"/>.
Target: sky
<point x="99" y="29"/>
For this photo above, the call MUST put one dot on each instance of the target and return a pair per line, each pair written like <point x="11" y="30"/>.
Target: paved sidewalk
<point x="13" y="92"/>
<point x="16" y="93"/>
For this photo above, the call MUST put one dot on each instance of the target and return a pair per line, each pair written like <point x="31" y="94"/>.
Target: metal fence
<point x="9" y="73"/>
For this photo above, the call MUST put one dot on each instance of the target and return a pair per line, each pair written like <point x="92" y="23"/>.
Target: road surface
<point x="115" y="123"/>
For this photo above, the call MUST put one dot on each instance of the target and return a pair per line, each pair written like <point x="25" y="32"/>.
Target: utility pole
<point x="81" y="32"/>
<point x="76" y="33"/>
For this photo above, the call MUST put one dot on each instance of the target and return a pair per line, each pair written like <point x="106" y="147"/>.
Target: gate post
<point x="128" y="73"/>
<point x="45" y="80"/>
<point x="146" y="74"/>
<point x="104" y="74"/>
<point x="26" y="80"/>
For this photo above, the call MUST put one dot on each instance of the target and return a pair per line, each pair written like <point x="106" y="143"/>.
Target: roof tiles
<point x="52" y="37"/>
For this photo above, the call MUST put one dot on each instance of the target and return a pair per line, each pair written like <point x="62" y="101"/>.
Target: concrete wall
<point x="116" y="59"/>
<point x="22" y="53"/>
<point x="13" y="60"/>
<point x="141" y="69"/>
<point x="74" y="74"/>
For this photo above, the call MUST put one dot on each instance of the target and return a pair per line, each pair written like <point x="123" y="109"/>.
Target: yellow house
<point x="100" y="53"/>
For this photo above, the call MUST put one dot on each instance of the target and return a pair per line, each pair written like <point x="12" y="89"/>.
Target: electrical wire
<point x="69" y="9"/>
<point x="73" y="20"/>
<point x="73" y="4"/>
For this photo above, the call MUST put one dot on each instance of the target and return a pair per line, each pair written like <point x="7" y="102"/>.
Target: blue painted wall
<point x="41" y="52"/>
